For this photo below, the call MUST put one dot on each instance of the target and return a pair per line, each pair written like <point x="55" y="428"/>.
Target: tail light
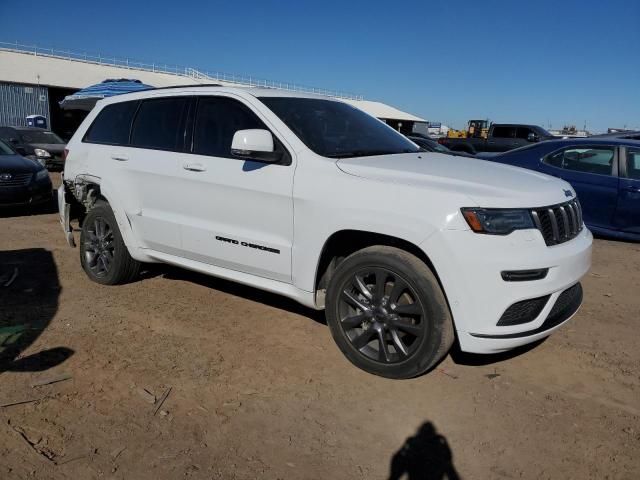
<point x="65" y="153"/>
<point x="441" y="140"/>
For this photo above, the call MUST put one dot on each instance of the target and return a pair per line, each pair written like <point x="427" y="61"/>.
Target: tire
<point x="361" y="315"/>
<point x="103" y="255"/>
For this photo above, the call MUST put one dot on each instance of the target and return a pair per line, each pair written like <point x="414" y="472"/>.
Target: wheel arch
<point x="343" y="243"/>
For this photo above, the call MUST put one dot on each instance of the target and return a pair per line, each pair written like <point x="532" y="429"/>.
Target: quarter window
<point x="112" y="124"/>
<point x="633" y="163"/>
<point x="217" y="119"/>
<point x="503" y="132"/>
<point x="159" y="124"/>
<point x="598" y="160"/>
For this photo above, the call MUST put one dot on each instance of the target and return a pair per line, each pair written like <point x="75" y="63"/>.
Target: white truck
<point x="313" y="199"/>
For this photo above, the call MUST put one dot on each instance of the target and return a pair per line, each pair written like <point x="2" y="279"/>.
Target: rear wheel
<point x="387" y="313"/>
<point x="103" y="254"/>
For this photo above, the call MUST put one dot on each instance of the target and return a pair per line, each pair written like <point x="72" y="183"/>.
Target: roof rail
<point x="188" y="86"/>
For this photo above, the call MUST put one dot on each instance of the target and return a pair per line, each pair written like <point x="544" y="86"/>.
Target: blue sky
<point x="558" y="62"/>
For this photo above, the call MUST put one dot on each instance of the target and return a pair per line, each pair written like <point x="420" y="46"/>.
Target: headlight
<point x="41" y="153"/>
<point x="42" y="174"/>
<point x="497" y="221"/>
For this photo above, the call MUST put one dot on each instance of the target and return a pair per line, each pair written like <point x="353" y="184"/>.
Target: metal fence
<point x="213" y="76"/>
<point x="18" y="101"/>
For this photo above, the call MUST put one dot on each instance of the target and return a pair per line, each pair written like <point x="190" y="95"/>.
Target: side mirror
<point x="532" y="137"/>
<point x="254" y="144"/>
<point x="14" y="141"/>
<point x="21" y="151"/>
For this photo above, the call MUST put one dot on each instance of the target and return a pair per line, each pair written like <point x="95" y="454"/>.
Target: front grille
<point x="14" y="179"/>
<point x="559" y="223"/>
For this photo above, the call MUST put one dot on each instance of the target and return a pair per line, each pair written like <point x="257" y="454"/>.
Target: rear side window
<point x="503" y="132"/>
<point x="633" y="163"/>
<point x="217" y="119"/>
<point x="159" y="124"/>
<point x="598" y="160"/>
<point x="523" y="133"/>
<point x="112" y="124"/>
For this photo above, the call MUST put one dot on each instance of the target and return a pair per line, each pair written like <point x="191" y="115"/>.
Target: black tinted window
<point x="217" y="119"/>
<point x="503" y="132"/>
<point x="523" y="133"/>
<point x="336" y="129"/>
<point x="159" y="124"/>
<point x="112" y="124"/>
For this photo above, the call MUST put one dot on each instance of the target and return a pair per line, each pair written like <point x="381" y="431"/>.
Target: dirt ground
<point x="257" y="388"/>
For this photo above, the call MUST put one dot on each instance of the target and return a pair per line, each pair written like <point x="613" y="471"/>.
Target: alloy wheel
<point x="381" y="315"/>
<point x="99" y="247"/>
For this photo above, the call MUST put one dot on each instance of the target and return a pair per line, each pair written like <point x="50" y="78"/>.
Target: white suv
<point x="311" y="198"/>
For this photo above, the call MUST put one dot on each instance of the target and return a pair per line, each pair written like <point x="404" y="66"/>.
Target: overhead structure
<point x="86" y="98"/>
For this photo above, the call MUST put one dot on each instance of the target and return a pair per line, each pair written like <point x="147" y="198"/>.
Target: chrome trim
<point x="554" y="225"/>
<point x="565" y="222"/>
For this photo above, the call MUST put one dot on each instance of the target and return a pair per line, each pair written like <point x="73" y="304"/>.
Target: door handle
<point x="119" y="157"/>
<point x="194" y="167"/>
<point x="632" y="189"/>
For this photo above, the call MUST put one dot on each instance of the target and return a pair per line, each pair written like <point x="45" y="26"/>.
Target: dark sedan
<point x="41" y="145"/>
<point x="605" y="173"/>
<point x="23" y="182"/>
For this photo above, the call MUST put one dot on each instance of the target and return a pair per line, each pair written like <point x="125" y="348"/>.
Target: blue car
<point x="605" y="173"/>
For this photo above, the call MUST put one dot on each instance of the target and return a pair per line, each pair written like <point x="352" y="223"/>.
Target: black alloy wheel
<point x="381" y="315"/>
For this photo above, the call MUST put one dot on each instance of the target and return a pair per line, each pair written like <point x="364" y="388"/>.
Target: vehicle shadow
<point x="29" y="292"/>
<point x="424" y="456"/>
<point x="476" y="359"/>
<point x="236" y="289"/>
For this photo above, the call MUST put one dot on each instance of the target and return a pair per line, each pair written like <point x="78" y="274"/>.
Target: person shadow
<point x="29" y="292"/>
<point x="424" y="456"/>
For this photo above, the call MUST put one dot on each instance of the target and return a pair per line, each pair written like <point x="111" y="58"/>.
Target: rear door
<point x="145" y="172"/>
<point x="593" y="173"/>
<point x="501" y="139"/>
<point x="234" y="213"/>
<point x="627" y="217"/>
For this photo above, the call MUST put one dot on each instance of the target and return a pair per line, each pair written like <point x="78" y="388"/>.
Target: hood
<point x="488" y="184"/>
<point x="54" y="148"/>
<point x="18" y="164"/>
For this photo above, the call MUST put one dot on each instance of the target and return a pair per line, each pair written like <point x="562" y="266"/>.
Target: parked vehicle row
<point x="313" y="199"/>
<point x="500" y="137"/>
<point x="23" y="182"/>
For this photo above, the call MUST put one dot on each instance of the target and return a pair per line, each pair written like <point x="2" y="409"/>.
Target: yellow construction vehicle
<point x="475" y="129"/>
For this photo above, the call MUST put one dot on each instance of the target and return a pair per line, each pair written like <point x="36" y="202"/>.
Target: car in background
<point x="23" y="181"/>
<point x="501" y="137"/>
<point x="627" y="135"/>
<point x="430" y="145"/>
<point x="605" y="173"/>
<point x="37" y="143"/>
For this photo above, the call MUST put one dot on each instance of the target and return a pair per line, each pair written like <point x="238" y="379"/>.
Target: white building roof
<point x="40" y="68"/>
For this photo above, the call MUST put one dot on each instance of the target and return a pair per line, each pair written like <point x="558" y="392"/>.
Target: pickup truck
<point x="501" y="138"/>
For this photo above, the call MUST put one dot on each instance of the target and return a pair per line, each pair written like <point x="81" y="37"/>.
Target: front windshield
<point x="337" y="130"/>
<point x="36" y="136"/>
<point x="5" y="149"/>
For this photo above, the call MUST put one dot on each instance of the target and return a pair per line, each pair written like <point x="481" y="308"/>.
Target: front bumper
<point x="64" y="210"/>
<point x="469" y="266"/>
<point x="32" y="194"/>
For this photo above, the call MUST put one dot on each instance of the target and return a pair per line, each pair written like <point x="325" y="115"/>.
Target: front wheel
<point x="388" y="314"/>
<point x="103" y="254"/>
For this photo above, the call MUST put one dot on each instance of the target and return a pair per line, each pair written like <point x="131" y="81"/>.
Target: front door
<point x="234" y="213"/>
<point x="627" y="217"/>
